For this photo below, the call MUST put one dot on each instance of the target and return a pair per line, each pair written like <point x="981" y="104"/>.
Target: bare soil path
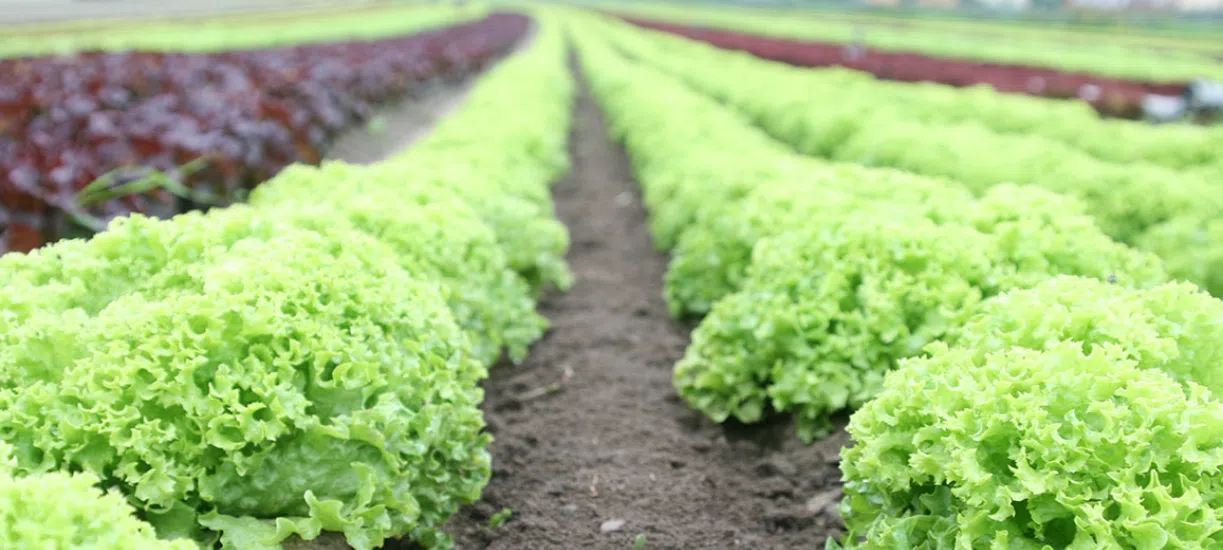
<point x="614" y="454"/>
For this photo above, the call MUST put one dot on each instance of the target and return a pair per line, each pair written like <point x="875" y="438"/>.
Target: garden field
<point x="544" y="277"/>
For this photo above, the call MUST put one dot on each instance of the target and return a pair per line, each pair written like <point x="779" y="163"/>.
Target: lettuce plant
<point x="825" y="311"/>
<point x="1078" y="413"/>
<point x="69" y="512"/>
<point x="224" y="394"/>
<point x="1190" y="248"/>
<point x="899" y="126"/>
<point x="711" y="258"/>
<point x="310" y="362"/>
<point x="1020" y="448"/>
<point x="434" y="233"/>
<point x="1175" y="327"/>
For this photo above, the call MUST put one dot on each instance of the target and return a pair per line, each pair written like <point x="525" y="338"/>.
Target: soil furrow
<point x="593" y="448"/>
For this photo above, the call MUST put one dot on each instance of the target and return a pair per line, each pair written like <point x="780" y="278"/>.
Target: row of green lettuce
<point x="1102" y="58"/>
<point x="1022" y="380"/>
<point x="307" y="363"/>
<point x="229" y="33"/>
<point x="839" y="116"/>
<point x="1149" y="37"/>
<point x="1068" y="131"/>
<point x="1169" y="37"/>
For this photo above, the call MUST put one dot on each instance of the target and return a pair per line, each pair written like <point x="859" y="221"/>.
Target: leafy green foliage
<point x="820" y="277"/>
<point x="681" y="183"/>
<point x="1066" y="412"/>
<point x="824" y="313"/>
<point x="432" y="231"/>
<point x="861" y="120"/>
<point x="250" y="374"/>
<point x="1034" y="449"/>
<point x="1042" y="234"/>
<point x="1191" y="249"/>
<point x="1072" y="125"/>
<point x="1175" y="327"/>
<point x="711" y="259"/>
<point x="310" y="362"/>
<point x="500" y="518"/>
<point x="499" y="156"/>
<point x="226" y="33"/>
<point x="827" y="309"/>
<point x="533" y="240"/>
<point x="1077" y="413"/>
<point x="67" y="512"/>
<point x="1125" y="199"/>
<point x="1124" y="51"/>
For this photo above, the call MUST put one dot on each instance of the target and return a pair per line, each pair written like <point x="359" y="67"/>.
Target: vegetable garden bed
<point x="1109" y="96"/>
<point x="654" y="299"/>
<point x="591" y="447"/>
<point x="237" y="117"/>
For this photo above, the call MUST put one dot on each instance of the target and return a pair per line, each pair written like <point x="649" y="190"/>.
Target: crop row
<point x="1129" y="36"/>
<point x="1103" y="58"/>
<point x="1109" y="96"/>
<point x="1168" y="211"/>
<point x="237" y="117"/>
<point x="233" y="31"/>
<point x="1068" y="123"/>
<point x="1023" y="380"/>
<point x="304" y="363"/>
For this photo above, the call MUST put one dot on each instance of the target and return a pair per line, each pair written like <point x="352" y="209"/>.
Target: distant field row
<point x="1116" y="55"/>
<point x="310" y="22"/>
<point x="1186" y="39"/>
<point x="645" y="285"/>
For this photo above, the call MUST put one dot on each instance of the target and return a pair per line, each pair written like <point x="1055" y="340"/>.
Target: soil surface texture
<point x="611" y="455"/>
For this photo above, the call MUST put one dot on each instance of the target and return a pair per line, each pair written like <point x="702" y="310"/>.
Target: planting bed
<point x="346" y="314"/>
<point x="589" y="434"/>
<point x="1110" y="96"/>
<point x="887" y="315"/>
<point x="64" y="122"/>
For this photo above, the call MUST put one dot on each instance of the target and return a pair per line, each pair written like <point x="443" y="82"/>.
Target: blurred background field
<point x="443" y="261"/>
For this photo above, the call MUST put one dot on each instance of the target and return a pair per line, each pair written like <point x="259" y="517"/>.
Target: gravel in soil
<point x="614" y="454"/>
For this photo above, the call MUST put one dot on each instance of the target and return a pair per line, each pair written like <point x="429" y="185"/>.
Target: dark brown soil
<point x="614" y="454"/>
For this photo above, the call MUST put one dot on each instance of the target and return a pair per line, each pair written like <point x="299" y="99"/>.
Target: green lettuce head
<point x="1075" y="414"/>
<point x="68" y="512"/>
<point x="274" y="387"/>
<point x="1034" y="449"/>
